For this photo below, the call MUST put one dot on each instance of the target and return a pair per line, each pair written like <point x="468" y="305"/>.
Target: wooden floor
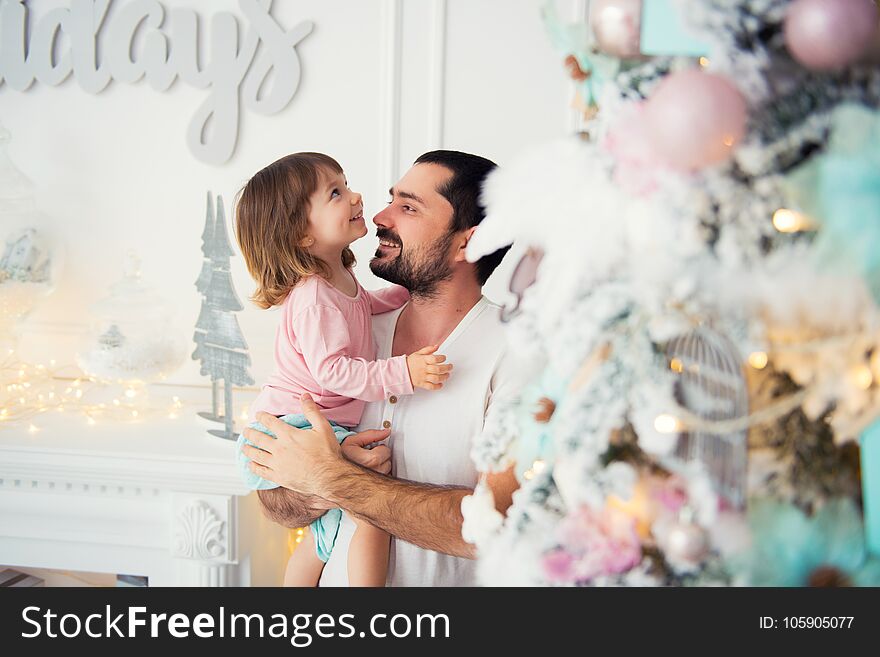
<point x="67" y="578"/>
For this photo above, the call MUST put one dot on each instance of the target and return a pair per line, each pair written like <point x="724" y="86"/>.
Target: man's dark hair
<point x="463" y="191"/>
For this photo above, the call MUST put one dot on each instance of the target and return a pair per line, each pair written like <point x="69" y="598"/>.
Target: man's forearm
<point x="422" y="514"/>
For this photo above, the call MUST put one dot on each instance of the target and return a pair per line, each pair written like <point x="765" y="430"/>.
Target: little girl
<point x="295" y="220"/>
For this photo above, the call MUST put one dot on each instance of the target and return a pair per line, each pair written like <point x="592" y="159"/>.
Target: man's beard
<point x="419" y="271"/>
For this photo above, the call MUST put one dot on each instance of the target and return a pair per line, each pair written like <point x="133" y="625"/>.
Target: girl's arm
<point x="387" y="299"/>
<point x="324" y="339"/>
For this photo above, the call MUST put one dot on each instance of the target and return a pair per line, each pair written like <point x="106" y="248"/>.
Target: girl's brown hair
<point x="272" y="219"/>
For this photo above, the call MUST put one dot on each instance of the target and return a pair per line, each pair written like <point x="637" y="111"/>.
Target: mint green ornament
<point x="576" y="39"/>
<point x="535" y="438"/>
<point x="664" y="32"/>
<point x="840" y="189"/>
<point x="788" y="548"/>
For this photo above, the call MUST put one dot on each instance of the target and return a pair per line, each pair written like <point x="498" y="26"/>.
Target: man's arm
<point x="310" y="462"/>
<point x="291" y="509"/>
<point x="425" y="515"/>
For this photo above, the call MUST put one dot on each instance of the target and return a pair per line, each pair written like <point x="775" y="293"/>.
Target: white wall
<point x="112" y="171"/>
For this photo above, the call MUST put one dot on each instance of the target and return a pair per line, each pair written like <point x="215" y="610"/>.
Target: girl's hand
<point x="425" y="369"/>
<point x="361" y="448"/>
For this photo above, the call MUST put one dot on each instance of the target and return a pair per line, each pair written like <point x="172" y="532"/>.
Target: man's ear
<point x="460" y="255"/>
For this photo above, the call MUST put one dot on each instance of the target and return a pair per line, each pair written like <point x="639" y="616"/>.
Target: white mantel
<point x="159" y="498"/>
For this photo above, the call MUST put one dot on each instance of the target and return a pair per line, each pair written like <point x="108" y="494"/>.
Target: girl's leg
<point x="368" y="556"/>
<point x="304" y="568"/>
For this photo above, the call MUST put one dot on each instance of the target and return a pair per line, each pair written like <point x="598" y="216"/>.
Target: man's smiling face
<point x="415" y="240"/>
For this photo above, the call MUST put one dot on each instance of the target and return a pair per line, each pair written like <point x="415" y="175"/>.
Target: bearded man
<point x="413" y="486"/>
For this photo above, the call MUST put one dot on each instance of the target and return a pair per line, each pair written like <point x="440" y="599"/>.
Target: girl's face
<point x="336" y="218"/>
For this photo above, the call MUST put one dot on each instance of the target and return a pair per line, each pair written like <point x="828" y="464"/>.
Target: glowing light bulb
<point x="33" y="429"/>
<point x="676" y="365"/>
<point x="862" y="376"/>
<point x="875" y="363"/>
<point x="116" y="402"/>
<point x="91" y="421"/>
<point x="134" y="413"/>
<point x="704" y="62"/>
<point x="539" y="466"/>
<point x="666" y="423"/>
<point x="790" y="221"/>
<point x="79" y="394"/>
<point x="130" y="393"/>
<point x="758" y="360"/>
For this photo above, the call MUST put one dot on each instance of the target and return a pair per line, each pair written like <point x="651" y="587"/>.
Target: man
<point x="423" y="234"/>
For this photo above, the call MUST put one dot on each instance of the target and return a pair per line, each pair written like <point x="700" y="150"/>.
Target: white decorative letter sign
<point x="236" y="74"/>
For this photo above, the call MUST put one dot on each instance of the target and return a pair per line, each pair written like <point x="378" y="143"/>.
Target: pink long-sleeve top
<point x="324" y="346"/>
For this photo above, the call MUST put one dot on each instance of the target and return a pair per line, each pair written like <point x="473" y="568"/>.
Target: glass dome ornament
<point x="29" y="258"/>
<point x="133" y="338"/>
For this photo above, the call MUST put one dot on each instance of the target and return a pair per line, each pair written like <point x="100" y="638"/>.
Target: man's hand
<point x="300" y="459"/>
<point x="291" y="509"/>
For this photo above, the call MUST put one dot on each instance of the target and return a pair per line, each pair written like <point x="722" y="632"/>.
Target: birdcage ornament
<point x="711" y="385"/>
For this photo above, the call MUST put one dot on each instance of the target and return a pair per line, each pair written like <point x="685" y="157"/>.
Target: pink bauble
<point x="825" y="35"/>
<point x="695" y="119"/>
<point x="617" y="26"/>
<point x="686" y="542"/>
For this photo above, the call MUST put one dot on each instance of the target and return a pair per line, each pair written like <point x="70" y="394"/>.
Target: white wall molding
<point x="201" y="528"/>
<point x="437" y="82"/>
<point x="63" y="471"/>
<point x="392" y="37"/>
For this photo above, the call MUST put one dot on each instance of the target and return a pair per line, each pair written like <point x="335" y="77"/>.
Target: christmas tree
<point x="203" y="322"/>
<point x="702" y="320"/>
<point x="220" y="345"/>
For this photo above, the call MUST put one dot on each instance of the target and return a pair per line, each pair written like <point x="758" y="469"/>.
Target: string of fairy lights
<point x="29" y="391"/>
